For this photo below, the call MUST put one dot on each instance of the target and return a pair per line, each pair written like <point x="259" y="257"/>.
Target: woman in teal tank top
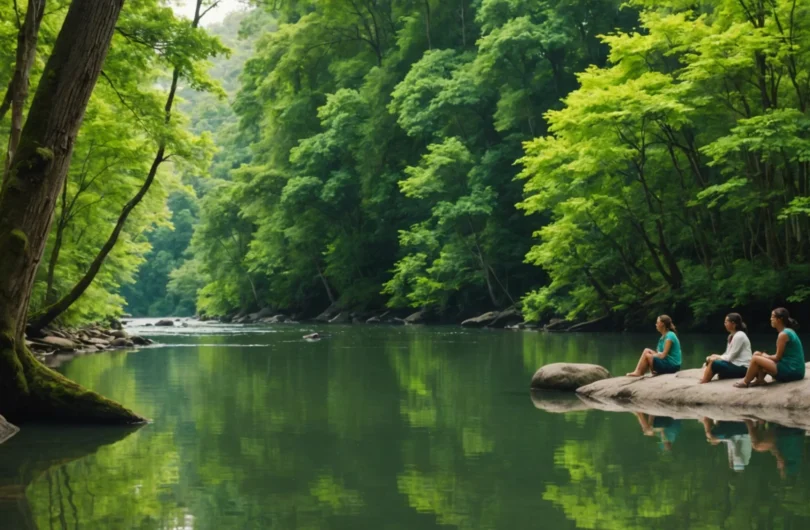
<point x="787" y="364"/>
<point x="667" y="358"/>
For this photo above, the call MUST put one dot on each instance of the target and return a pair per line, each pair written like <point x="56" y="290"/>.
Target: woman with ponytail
<point x="787" y="364"/>
<point x="667" y="358"/>
<point x="733" y="364"/>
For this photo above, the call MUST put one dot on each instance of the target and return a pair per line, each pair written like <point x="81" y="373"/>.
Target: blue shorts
<point x="727" y="370"/>
<point x="662" y="366"/>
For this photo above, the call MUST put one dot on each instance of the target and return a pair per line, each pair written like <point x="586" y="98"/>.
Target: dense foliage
<point x="578" y="158"/>
<point x="382" y="146"/>
<point x="678" y="174"/>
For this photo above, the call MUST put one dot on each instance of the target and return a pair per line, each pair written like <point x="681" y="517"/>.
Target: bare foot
<point x="633" y="374"/>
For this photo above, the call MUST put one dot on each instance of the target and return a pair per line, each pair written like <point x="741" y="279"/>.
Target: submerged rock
<point x="165" y="322"/>
<point x="568" y="376"/>
<point x="7" y="430"/>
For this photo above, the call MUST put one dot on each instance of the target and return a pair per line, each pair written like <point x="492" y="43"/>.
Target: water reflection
<point x="392" y="428"/>
<point x="664" y="428"/>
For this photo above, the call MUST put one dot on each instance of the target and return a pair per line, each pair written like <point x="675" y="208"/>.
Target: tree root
<point x="52" y="397"/>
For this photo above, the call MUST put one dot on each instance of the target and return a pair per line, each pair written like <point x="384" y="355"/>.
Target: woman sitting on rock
<point x="667" y="360"/>
<point x="787" y="364"/>
<point x="734" y="363"/>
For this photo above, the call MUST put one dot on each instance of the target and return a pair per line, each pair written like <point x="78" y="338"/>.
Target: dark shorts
<point x="662" y="366"/>
<point x="727" y="370"/>
<point x="785" y="374"/>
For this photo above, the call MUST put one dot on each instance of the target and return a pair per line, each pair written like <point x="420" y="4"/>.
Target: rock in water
<point x="568" y="376"/>
<point x="312" y="336"/>
<point x="7" y="430"/>
<point x="166" y="323"/>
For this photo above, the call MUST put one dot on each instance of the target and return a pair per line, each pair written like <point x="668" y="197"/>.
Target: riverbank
<point x="57" y="345"/>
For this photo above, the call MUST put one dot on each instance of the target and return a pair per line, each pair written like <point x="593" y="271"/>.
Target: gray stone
<point x="312" y="336"/>
<point x="166" y="322"/>
<point x="140" y="341"/>
<point x="341" y="318"/>
<point x="59" y="343"/>
<point x="7" y="430"/>
<point x="681" y="396"/>
<point x="119" y="334"/>
<point x="122" y="343"/>
<point x="481" y="320"/>
<point x="567" y="376"/>
<point x="420" y="317"/>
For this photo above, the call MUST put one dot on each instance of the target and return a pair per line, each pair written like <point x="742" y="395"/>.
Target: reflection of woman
<point x="667" y="360"/>
<point x="784" y="443"/>
<point x="787" y="364"/>
<point x="735" y="435"/>
<point x="733" y="364"/>
<point x="665" y="427"/>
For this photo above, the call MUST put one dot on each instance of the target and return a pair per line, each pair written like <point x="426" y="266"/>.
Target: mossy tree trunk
<point x="29" y="390"/>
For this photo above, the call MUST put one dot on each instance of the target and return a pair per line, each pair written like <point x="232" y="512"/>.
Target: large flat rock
<point x="681" y="396"/>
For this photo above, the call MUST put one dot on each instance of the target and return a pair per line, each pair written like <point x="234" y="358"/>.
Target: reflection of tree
<point x="31" y="455"/>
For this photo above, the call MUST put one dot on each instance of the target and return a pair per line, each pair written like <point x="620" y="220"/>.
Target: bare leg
<point x="759" y="367"/>
<point x="644" y="363"/>
<point x="707" y="373"/>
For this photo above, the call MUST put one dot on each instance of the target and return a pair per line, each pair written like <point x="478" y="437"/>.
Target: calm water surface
<point x="390" y="427"/>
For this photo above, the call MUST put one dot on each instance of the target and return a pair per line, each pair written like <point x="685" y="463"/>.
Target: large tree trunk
<point x="27" y="200"/>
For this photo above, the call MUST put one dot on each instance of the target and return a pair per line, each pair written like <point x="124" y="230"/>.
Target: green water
<point x="400" y="428"/>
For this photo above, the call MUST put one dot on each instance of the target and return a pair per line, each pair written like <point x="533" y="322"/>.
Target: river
<point x="389" y="427"/>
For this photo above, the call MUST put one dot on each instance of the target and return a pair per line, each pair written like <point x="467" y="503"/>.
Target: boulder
<point x="116" y="324"/>
<point x="480" y="321"/>
<point x="682" y="396"/>
<point x="122" y="343"/>
<point x="7" y="430"/>
<point x="119" y="334"/>
<point x="567" y="376"/>
<point x="420" y="317"/>
<point x="140" y="341"/>
<point x="59" y="343"/>
<point x="506" y="318"/>
<point x="341" y="318"/>
<point x="165" y="322"/>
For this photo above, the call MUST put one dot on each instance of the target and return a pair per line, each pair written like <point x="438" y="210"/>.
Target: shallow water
<point x="388" y="427"/>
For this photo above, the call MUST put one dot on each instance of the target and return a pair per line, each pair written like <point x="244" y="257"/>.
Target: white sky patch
<point x="186" y="9"/>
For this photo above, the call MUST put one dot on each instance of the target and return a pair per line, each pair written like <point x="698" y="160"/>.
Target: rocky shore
<point x="53" y="346"/>
<point x="510" y="318"/>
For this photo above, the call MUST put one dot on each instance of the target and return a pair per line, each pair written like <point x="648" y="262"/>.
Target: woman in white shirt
<point x="734" y="362"/>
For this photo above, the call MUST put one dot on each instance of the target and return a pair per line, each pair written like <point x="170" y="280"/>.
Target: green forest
<point x="575" y="159"/>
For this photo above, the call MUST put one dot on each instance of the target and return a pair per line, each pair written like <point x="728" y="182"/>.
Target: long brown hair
<point x="667" y="321"/>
